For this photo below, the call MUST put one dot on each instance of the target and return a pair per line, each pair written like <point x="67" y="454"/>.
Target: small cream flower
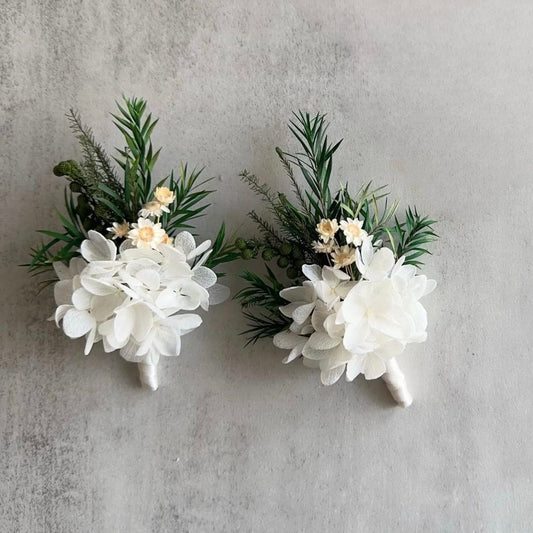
<point x="353" y="231"/>
<point x="146" y="234"/>
<point x="167" y="240"/>
<point x="164" y="195"/>
<point x="152" y="209"/>
<point x="343" y="256"/>
<point x="323" y="247"/>
<point x="327" y="228"/>
<point x="119" y="230"/>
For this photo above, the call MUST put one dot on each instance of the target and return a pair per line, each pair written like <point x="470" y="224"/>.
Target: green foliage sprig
<point x="289" y="238"/>
<point x="98" y="197"/>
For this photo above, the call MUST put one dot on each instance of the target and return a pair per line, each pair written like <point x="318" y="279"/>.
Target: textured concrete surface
<point x="434" y="98"/>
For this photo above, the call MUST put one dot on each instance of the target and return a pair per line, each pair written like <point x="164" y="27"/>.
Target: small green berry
<point x="240" y="243"/>
<point x="67" y="168"/>
<point x="267" y="254"/>
<point x="247" y="253"/>
<point x="296" y="253"/>
<point x="292" y="272"/>
<point x="285" y="248"/>
<point x="283" y="262"/>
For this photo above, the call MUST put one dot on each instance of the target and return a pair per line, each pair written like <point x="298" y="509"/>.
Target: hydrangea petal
<point x="329" y="377"/>
<point x="150" y="278"/>
<point x="63" y="292"/>
<point x="77" y="323"/>
<point x="218" y="293"/>
<point x="204" y="276"/>
<point x="98" y="248"/>
<point x="184" y="242"/>
<point x="374" y="367"/>
<point x="81" y="299"/>
<point x="286" y="340"/>
<point x="312" y="272"/>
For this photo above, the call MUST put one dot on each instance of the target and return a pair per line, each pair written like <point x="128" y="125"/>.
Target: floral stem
<point x="395" y="380"/>
<point x="148" y="375"/>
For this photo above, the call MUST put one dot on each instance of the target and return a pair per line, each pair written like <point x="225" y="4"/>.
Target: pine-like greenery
<point x="98" y="197"/>
<point x="289" y="237"/>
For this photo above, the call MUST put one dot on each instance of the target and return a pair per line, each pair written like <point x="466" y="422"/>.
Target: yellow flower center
<point x="354" y="230"/>
<point x="146" y="234"/>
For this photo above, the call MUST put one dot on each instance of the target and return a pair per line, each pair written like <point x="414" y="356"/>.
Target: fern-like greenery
<point x="98" y="197"/>
<point x="289" y="236"/>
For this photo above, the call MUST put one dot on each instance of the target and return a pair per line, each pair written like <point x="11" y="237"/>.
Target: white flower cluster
<point x="354" y="234"/>
<point x="145" y="233"/>
<point x="355" y="326"/>
<point x="134" y="301"/>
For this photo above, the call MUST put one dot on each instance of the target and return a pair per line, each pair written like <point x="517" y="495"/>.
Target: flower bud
<point x="267" y="254"/>
<point x="292" y="272"/>
<point x="283" y="262"/>
<point x="240" y="243"/>
<point x="285" y="248"/>
<point x="67" y="168"/>
<point x="247" y="253"/>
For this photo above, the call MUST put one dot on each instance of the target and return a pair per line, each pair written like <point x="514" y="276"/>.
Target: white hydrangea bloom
<point x="355" y="327"/>
<point x="138" y="301"/>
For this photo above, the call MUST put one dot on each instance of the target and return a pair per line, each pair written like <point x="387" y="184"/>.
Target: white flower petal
<point x="312" y="272"/>
<point x="286" y="340"/>
<point x="354" y="367"/>
<point x="60" y="312"/>
<point x="374" y="367"/>
<point x="301" y="313"/>
<point x="91" y="336"/>
<point x="103" y="307"/>
<point x="218" y="293"/>
<point x="204" y="276"/>
<point x="98" y="248"/>
<point x="63" y="292"/>
<point x="77" y="323"/>
<point x="150" y="278"/>
<point x="98" y="287"/>
<point x="199" y="250"/>
<point x="62" y="271"/>
<point x="295" y="352"/>
<point x="167" y="342"/>
<point x="380" y="266"/>
<point x="183" y="324"/>
<point x="322" y="341"/>
<point x="329" y="377"/>
<point x="81" y="299"/>
<point x="184" y="242"/>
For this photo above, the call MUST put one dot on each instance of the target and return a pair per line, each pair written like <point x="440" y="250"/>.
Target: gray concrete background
<point x="434" y="98"/>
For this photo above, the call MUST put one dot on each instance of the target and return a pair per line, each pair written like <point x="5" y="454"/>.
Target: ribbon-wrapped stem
<point x="148" y="375"/>
<point x="395" y="380"/>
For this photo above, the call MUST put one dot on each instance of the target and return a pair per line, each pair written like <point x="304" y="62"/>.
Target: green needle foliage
<point x="289" y="235"/>
<point x="98" y="197"/>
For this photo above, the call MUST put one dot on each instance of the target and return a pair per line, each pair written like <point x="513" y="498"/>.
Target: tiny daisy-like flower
<point x="343" y="256"/>
<point x="146" y="234"/>
<point x="327" y="228"/>
<point x="167" y="240"/>
<point x="164" y="195"/>
<point x="353" y="231"/>
<point x="322" y="247"/>
<point x="119" y="230"/>
<point x="152" y="209"/>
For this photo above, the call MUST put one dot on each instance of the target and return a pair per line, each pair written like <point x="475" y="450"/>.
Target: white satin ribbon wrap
<point x="395" y="380"/>
<point x="148" y="375"/>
